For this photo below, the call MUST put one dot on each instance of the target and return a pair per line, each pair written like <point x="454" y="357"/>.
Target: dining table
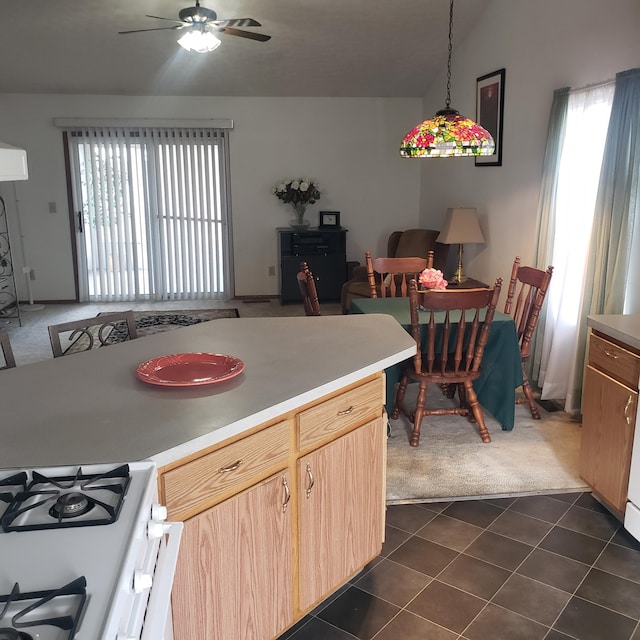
<point x="501" y="368"/>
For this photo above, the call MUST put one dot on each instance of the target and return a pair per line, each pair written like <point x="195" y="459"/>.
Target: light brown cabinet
<point x="609" y="406"/>
<point x="341" y="514"/>
<point x="234" y="578"/>
<point x="277" y="519"/>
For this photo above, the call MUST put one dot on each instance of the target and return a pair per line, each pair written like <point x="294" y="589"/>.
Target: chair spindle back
<point x="389" y="277"/>
<point x="527" y="287"/>
<point x="457" y="344"/>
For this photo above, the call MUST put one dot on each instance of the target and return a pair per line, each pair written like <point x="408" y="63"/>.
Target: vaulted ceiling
<point x="328" y="48"/>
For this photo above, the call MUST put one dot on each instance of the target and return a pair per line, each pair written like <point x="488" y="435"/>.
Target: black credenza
<point x="324" y="250"/>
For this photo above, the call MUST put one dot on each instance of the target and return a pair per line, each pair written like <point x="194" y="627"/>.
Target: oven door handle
<point x="155" y="620"/>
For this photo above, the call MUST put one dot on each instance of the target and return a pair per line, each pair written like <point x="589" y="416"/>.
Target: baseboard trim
<point x="250" y="299"/>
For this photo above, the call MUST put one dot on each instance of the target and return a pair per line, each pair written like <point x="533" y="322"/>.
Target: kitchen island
<point x="278" y="473"/>
<point x="90" y="408"/>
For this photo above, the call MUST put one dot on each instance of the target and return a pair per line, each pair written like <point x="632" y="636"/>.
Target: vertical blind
<point x="152" y="212"/>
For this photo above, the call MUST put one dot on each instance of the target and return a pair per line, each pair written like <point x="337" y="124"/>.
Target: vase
<point x="299" y="222"/>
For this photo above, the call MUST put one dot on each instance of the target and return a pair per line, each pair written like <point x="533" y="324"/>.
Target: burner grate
<point x="51" y="614"/>
<point x="79" y="500"/>
<point x="9" y="488"/>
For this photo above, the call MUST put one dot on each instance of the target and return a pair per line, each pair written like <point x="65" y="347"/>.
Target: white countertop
<point x="625" y="328"/>
<point x="89" y="408"/>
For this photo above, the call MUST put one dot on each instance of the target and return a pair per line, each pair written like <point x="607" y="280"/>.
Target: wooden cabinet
<point x="609" y="406"/>
<point x="276" y="520"/>
<point x="341" y="515"/>
<point x="234" y="577"/>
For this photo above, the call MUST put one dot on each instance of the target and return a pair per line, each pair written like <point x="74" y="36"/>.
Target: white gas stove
<point x="85" y="554"/>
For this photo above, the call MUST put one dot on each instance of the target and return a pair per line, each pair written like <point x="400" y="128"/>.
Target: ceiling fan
<point x="201" y="25"/>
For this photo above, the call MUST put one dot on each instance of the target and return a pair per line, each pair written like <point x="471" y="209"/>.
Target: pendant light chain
<point x="447" y="134"/>
<point x="448" y="101"/>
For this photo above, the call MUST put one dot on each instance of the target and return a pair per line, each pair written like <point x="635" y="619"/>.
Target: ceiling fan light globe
<point x="199" y="41"/>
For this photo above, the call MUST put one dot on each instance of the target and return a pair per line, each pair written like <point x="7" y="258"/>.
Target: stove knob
<point x="156" y="530"/>
<point x="142" y="581"/>
<point x="158" y="512"/>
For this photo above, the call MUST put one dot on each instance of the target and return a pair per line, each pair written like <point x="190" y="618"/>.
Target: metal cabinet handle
<point x="610" y="354"/>
<point x="626" y="409"/>
<point x="231" y="467"/>
<point x="346" y="412"/>
<point x="287" y="494"/>
<point x="311" y="481"/>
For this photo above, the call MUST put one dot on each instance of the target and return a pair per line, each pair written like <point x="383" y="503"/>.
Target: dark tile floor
<point x="551" y="567"/>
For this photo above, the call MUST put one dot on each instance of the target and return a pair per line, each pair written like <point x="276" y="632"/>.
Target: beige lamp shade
<point x="461" y="227"/>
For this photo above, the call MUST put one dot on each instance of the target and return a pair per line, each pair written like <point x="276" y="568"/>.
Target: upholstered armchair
<point x="401" y="244"/>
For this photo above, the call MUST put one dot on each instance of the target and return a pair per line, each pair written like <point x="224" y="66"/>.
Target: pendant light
<point x="447" y="133"/>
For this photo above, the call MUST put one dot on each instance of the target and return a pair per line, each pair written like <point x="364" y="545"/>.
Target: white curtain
<point x="588" y="114"/>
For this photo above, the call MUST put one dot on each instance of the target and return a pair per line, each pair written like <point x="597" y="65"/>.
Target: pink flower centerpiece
<point x="432" y="279"/>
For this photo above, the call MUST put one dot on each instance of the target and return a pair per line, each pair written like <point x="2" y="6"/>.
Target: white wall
<point x="349" y="145"/>
<point x="544" y="45"/>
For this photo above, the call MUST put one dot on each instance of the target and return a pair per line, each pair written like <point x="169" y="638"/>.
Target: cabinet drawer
<point x="618" y="362"/>
<point x="198" y="484"/>
<point x="349" y="409"/>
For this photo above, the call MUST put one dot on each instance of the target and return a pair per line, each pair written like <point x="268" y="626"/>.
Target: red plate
<point x="189" y="369"/>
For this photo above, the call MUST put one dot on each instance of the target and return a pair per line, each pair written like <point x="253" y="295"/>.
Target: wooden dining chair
<point x="449" y="351"/>
<point x="389" y="277"/>
<point x="94" y="332"/>
<point x="7" y="351"/>
<point x="307" y="285"/>
<point x="527" y="290"/>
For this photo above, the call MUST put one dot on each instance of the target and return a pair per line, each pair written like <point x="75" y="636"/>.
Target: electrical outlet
<point x="32" y="274"/>
<point x="272" y="270"/>
<point x="53" y="208"/>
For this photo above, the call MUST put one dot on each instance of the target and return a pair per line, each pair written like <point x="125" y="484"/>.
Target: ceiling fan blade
<point x="236" y="22"/>
<point x="160" y="18"/>
<point x="155" y="29"/>
<point x="243" y="34"/>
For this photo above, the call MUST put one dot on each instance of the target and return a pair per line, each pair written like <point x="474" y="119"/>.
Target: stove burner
<point x="71" y="505"/>
<point x="54" y="609"/>
<point x="75" y="500"/>
<point x="12" y="634"/>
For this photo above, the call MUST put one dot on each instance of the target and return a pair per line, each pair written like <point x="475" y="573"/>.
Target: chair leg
<point x="476" y="409"/>
<point x="464" y="402"/>
<point x="402" y="388"/>
<point x="417" y="418"/>
<point x="526" y="388"/>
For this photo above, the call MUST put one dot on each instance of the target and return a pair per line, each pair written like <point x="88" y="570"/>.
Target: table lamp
<point x="460" y="227"/>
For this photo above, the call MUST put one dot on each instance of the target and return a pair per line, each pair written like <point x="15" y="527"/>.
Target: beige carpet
<point x="452" y="463"/>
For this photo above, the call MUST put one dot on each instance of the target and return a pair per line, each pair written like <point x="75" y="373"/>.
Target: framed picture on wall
<point x="490" y="113"/>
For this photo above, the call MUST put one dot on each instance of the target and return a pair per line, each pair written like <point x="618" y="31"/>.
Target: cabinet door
<point x="609" y="410"/>
<point x="341" y="506"/>
<point x="329" y="271"/>
<point x="234" y="575"/>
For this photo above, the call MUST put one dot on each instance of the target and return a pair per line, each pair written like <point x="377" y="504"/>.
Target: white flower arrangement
<point x="298" y="192"/>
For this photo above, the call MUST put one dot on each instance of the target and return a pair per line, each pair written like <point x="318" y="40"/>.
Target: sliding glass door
<point x="151" y="213"/>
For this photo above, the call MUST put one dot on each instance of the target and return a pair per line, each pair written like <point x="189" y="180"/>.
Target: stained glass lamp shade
<point x="447" y="134"/>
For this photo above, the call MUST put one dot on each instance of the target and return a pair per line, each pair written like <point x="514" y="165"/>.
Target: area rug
<point x="150" y="322"/>
<point x="452" y="463"/>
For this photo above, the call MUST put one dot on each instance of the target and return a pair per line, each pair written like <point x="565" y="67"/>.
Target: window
<point x="152" y="212"/>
